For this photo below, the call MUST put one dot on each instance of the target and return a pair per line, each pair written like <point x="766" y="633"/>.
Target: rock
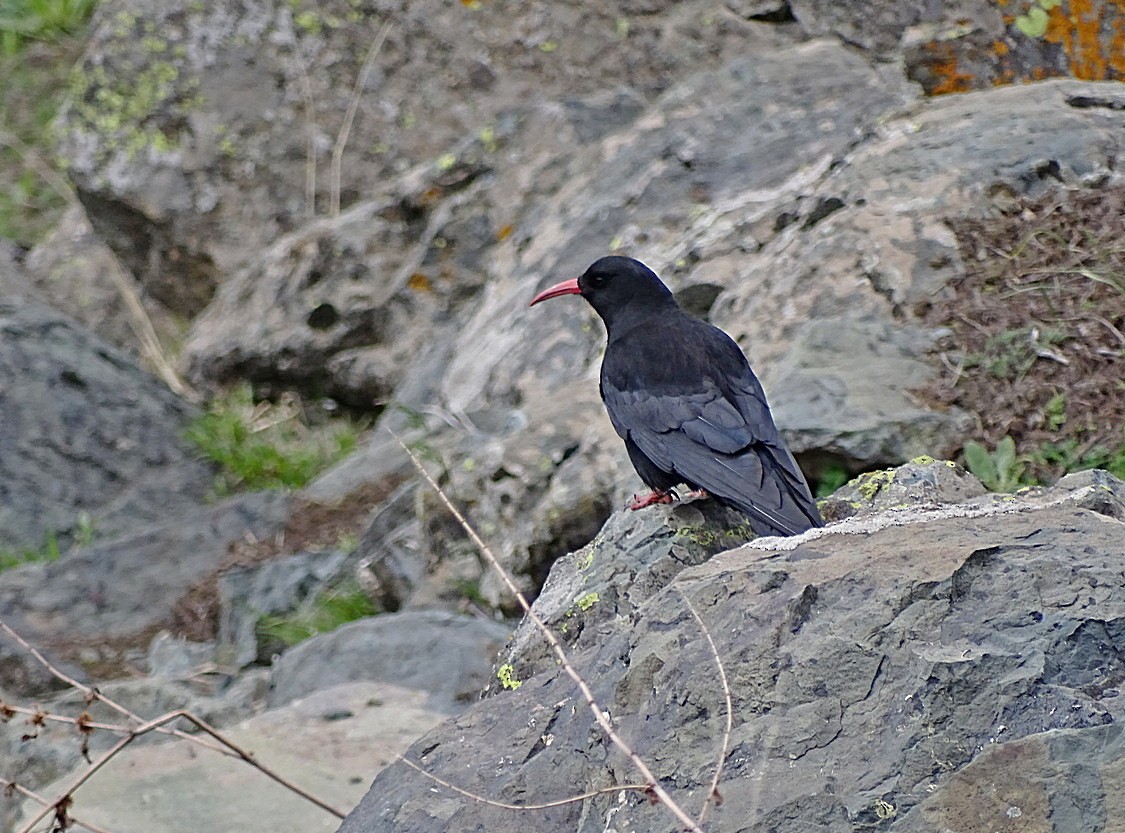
<point x="196" y="135"/>
<point x="87" y="435"/>
<point x="957" y="47"/>
<point x="328" y="743"/>
<point x="100" y="605"/>
<point x="278" y="586"/>
<point x="177" y="658"/>
<point x="324" y="309"/>
<point x="442" y="654"/>
<point x="591" y="591"/>
<point x="914" y="668"/>
<point x="36" y="756"/>
<point x="77" y="274"/>
<point x="840" y="356"/>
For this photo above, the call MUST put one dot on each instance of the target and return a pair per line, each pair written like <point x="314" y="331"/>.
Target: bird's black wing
<point x="714" y="431"/>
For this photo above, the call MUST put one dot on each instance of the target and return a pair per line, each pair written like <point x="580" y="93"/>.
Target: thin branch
<point x="36" y="797"/>
<point x="600" y="716"/>
<point x="139" y="321"/>
<point x="506" y="806"/>
<point x="225" y="746"/>
<point x="349" y="118"/>
<point x="713" y="790"/>
<point x="154" y="724"/>
<point x="309" y="104"/>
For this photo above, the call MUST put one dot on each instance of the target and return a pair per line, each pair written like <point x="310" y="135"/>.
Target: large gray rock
<point x="327" y="744"/>
<point x="915" y="669"/>
<point x="84" y="430"/>
<point x="831" y="320"/>
<point x="194" y="132"/>
<point x="442" y="654"/>
<point x="99" y="606"/>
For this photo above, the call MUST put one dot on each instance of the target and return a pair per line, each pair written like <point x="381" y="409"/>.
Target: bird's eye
<point x="598" y="281"/>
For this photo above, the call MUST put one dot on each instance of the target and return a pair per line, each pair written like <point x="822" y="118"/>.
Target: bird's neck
<point x="623" y="320"/>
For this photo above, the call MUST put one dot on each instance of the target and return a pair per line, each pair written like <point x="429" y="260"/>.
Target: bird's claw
<point x="641" y="501"/>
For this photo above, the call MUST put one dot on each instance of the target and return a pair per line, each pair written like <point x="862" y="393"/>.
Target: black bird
<point x="683" y="397"/>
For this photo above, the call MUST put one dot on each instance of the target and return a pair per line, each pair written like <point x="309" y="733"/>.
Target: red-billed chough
<point x="683" y="397"/>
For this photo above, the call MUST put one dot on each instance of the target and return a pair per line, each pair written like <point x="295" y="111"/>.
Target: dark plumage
<point x="683" y="397"/>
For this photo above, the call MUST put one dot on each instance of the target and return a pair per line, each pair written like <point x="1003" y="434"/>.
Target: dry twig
<point x="349" y="118"/>
<point x="222" y="744"/>
<point x="600" y="716"/>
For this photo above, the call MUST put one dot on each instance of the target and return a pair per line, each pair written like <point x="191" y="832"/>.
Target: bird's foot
<point x="641" y="501"/>
<point x="693" y="494"/>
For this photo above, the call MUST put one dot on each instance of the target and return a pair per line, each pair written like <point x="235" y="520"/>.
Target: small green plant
<point x="1069" y="456"/>
<point x="832" y="478"/>
<point x="49" y="551"/>
<point x="324" y="613"/>
<point x="1054" y="412"/>
<point x="23" y="20"/>
<point x="265" y="446"/>
<point x="1000" y="470"/>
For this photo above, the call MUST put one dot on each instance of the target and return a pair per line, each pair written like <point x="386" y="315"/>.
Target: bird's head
<point x="614" y="286"/>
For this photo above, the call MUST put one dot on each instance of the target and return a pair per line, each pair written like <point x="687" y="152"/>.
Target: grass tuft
<point x="267" y="445"/>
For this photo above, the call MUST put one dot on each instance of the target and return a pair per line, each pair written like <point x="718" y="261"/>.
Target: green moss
<point x="587" y="560"/>
<point x="873" y="482"/>
<point x="707" y="537"/>
<point x="586" y="602"/>
<point x="507" y="677"/>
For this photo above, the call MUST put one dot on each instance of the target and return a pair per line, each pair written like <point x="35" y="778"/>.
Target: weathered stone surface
<point x="84" y="431"/>
<point x="591" y="591"/>
<point x="76" y="273"/>
<point x="276" y="587"/>
<point x="960" y="46"/>
<point x="328" y="743"/>
<point x="825" y="310"/>
<point x="100" y="605"/>
<point x="882" y="671"/>
<point x="192" y="129"/>
<point x="442" y="654"/>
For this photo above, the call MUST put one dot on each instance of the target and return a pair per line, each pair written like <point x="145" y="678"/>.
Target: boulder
<point x="98" y="607"/>
<point x="444" y="655"/>
<point x="197" y="135"/>
<point x="91" y="444"/>
<point x="325" y="743"/>
<point x="918" y="668"/>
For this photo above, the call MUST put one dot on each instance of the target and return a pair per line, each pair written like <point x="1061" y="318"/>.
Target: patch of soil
<point x="1036" y="330"/>
<point x="311" y="526"/>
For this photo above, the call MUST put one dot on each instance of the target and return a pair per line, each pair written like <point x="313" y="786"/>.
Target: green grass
<point x="40" y="41"/>
<point x="49" y="551"/>
<point x="325" y="613"/>
<point x="49" y="20"/>
<point x="264" y="446"/>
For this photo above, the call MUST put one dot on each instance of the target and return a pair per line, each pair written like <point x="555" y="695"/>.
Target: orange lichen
<point x="420" y="283"/>
<point x="946" y="73"/>
<point x="1082" y="29"/>
<point x="1000" y="48"/>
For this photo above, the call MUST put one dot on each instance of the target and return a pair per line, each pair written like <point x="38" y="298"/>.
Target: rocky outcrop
<point x="98" y="607"/>
<point x="86" y="433"/>
<point x="920" y="668"/>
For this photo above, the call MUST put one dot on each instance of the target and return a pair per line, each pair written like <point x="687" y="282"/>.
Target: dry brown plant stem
<point x="223" y="744"/>
<point x="724" y="745"/>
<point x="600" y="716"/>
<point x="349" y="118"/>
<point x="139" y="321"/>
<point x="37" y="798"/>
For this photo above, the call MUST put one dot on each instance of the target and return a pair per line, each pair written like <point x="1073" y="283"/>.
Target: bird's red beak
<point x="565" y="288"/>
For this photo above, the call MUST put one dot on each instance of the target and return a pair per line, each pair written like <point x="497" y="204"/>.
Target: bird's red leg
<point x="656" y="496"/>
